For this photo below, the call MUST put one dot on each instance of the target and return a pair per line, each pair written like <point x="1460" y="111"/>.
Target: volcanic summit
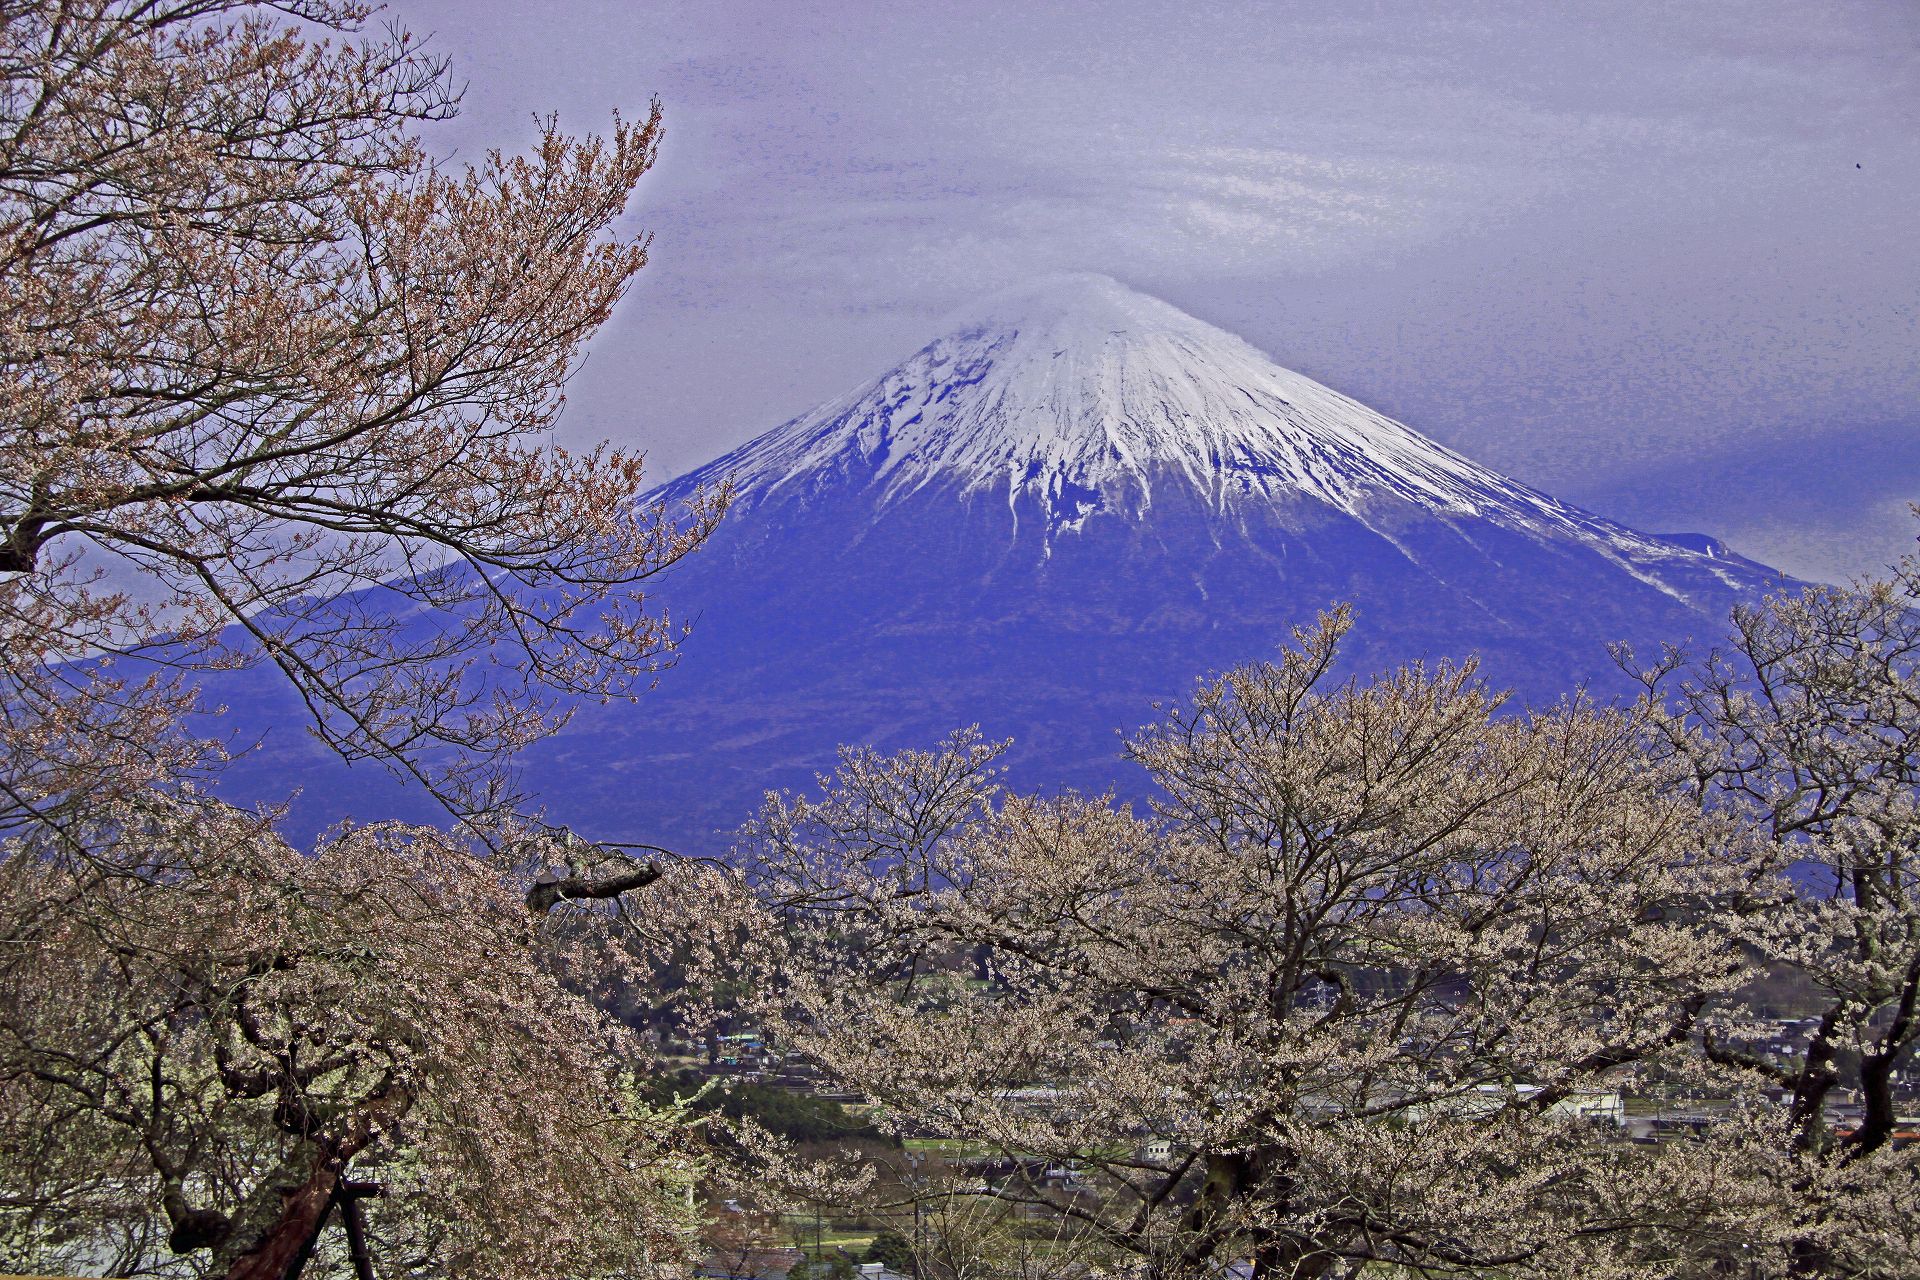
<point x="1072" y="503"/>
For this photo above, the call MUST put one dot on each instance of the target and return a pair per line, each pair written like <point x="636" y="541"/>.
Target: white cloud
<point x="1562" y="236"/>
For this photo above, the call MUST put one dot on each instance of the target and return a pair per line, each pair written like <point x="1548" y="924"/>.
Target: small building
<point x="1156" y="1150"/>
<point x="1601" y="1107"/>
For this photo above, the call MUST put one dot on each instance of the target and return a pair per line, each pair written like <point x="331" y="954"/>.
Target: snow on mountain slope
<point x="1074" y="397"/>
<point x="1067" y="508"/>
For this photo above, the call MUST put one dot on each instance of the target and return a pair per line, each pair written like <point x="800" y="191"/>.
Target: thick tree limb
<point x="543" y="897"/>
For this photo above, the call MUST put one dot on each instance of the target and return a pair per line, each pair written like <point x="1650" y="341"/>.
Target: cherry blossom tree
<point x="275" y="385"/>
<point x="1353" y="992"/>
<point x="246" y="1040"/>
<point x="1806" y="724"/>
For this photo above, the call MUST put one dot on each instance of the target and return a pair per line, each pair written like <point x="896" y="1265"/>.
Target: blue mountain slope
<point x="1069" y="506"/>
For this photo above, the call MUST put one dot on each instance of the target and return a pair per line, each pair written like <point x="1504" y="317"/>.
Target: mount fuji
<point x="1073" y="503"/>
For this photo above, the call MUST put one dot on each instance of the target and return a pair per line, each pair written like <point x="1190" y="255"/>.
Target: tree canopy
<point x="276" y="382"/>
<point x="1370" y="982"/>
<point x="275" y="388"/>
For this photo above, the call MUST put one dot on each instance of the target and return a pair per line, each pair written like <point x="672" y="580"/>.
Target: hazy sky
<point x="1661" y="259"/>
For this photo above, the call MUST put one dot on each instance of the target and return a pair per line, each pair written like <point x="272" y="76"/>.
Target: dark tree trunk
<point x="1288" y="1257"/>
<point x="1809" y="1258"/>
<point x="1210" y="1223"/>
<point x="280" y="1250"/>
<point x="353" y="1215"/>
<point x="1226" y="1180"/>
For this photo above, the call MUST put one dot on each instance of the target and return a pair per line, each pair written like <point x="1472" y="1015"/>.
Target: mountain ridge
<point x="984" y="407"/>
<point x="1068" y="506"/>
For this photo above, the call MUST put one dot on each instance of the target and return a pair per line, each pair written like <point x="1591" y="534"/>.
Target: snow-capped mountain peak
<point x="1065" y="508"/>
<point x="1061" y="511"/>
<point x="1083" y="395"/>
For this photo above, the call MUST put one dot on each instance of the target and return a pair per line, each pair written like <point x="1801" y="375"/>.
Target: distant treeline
<point x="797" y="1117"/>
